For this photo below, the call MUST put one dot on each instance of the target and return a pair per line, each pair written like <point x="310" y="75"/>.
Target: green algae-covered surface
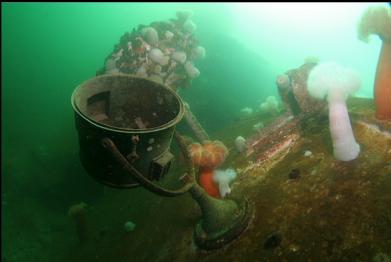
<point x="333" y="211"/>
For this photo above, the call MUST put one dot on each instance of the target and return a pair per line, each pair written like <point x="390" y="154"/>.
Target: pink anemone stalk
<point x="336" y="82"/>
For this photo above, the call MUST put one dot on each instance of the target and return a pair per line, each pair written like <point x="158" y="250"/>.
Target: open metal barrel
<point x="137" y="114"/>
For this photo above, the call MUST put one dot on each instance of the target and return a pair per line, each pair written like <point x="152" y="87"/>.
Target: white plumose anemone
<point x="240" y="144"/>
<point x="157" y="56"/>
<point x="224" y="178"/>
<point x="191" y="70"/>
<point x="336" y="82"/>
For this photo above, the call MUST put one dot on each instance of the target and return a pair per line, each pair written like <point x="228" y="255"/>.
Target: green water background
<point x="49" y="48"/>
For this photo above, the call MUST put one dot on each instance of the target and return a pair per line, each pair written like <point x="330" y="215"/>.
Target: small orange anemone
<point x="207" y="157"/>
<point x="196" y="152"/>
<point x="214" y="154"/>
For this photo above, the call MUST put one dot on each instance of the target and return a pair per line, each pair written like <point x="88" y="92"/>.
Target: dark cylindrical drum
<point x="137" y="114"/>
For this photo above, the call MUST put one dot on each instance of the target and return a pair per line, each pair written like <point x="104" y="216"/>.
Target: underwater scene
<point x="196" y="132"/>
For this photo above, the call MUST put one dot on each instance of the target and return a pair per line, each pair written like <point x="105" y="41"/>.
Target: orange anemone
<point x="207" y="183"/>
<point x="383" y="83"/>
<point x="196" y="152"/>
<point x="207" y="157"/>
<point x="377" y="20"/>
<point x="214" y="154"/>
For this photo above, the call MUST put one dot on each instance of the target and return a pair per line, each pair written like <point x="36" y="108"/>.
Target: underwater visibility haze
<point x="196" y="132"/>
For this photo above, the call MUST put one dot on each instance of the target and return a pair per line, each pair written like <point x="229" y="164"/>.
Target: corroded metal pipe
<point x="195" y="125"/>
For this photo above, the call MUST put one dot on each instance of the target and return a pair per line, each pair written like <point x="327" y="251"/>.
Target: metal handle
<point x="136" y="175"/>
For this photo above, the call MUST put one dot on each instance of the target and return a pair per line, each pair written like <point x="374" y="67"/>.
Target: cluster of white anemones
<point x="163" y="51"/>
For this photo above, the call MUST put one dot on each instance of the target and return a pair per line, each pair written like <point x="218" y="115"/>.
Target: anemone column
<point x="337" y="83"/>
<point x="383" y="83"/>
<point x="377" y="20"/>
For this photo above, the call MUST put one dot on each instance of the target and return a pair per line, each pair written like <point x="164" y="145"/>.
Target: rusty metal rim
<point x="170" y="123"/>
